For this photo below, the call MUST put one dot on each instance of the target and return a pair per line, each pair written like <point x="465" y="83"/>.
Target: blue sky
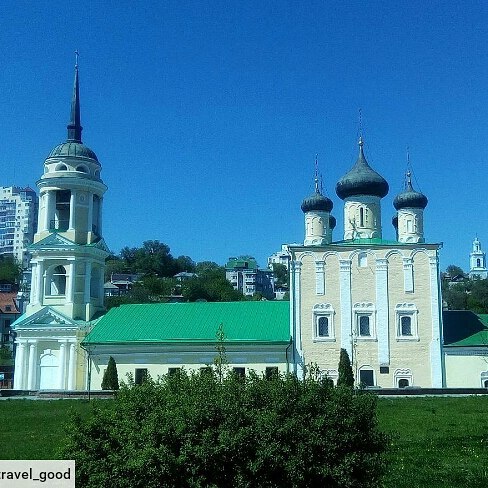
<point x="207" y="115"/>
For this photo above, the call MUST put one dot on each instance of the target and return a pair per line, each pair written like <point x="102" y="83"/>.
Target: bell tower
<point x="68" y="253"/>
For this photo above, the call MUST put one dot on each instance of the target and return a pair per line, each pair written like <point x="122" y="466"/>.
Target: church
<point x="379" y="300"/>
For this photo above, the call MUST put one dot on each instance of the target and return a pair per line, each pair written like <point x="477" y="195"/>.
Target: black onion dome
<point x="332" y="222"/>
<point x="317" y="201"/>
<point x="410" y="198"/>
<point x="74" y="150"/>
<point x="361" y="180"/>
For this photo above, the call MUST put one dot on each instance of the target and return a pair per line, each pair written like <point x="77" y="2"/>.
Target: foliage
<point x="220" y="360"/>
<point x="453" y="270"/>
<point x="346" y="377"/>
<point x="281" y="274"/>
<point x="110" y="380"/>
<point x="5" y="356"/>
<point x="10" y="270"/>
<point x="191" y="430"/>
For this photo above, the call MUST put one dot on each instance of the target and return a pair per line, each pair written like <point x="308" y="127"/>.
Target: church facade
<point x="377" y="299"/>
<point x="68" y="261"/>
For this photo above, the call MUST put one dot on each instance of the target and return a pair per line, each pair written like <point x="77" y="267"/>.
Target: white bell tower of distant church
<point x="68" y="260"/>
<point x="477" y="262"/>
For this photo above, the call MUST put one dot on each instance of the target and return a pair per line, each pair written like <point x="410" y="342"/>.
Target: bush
<point x="191" y="430"/>
<point x="346" y="376"/>
<point x="110" y="380"/>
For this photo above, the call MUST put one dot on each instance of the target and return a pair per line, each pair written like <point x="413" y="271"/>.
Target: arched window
<point x="60" y="167"/>
<point x="366" y="376"/>
<point x="57" y="281"/>
<point x="82" y="169"/>
<point x="403" y="383"/>
<point x="406" y="325"/>
<point x="323" y="327"/>
<point x="364" y="329"/>
<point x="361" y="217"/>
<point x="478" y="263"/>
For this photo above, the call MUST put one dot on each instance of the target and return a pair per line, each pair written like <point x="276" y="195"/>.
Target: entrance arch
<point x="49" y="372"/>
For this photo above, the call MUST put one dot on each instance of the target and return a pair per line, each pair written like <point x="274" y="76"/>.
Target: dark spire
<point x="74" y="126"/>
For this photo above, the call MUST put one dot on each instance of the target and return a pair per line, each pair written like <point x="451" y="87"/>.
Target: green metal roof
<point x="193" y="322"/>
<point x="465" y="328"/>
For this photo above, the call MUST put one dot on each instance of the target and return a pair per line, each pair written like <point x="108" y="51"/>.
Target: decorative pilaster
<point x="62" y="365"/>
<point x="88" y="270"/>
<point x="297" y="334"/>
<point x="72" y="366"/>
<point x="320" y="277"/>
<point x="408" y="275"/>
<point x="19" y="380"/>
<point x="71" y="281"/>
<point x="436" y="344"/>
<point x="382" y="325"/>
<point x="72" y="210"/>
<point x="346" y="306"/>
<point x="32" y="367"/>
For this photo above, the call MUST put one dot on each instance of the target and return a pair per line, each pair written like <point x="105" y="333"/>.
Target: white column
<point x="100" y="214"/>
<point x="297" y="335"/>
<point x="19" y="366"/>
<point x="436" y="344"/>
<point x="88" y="268"/>
<point x="39" y="283"/>
<point x="31" y="378"/>
<point x="346" y="305"/>
<point x="48" y="209"/>
<point x="382" y="315"/>
<point x="72" y="213"/>
<point x="71" y="281"/>
<point x="72" y="366"/>
<point x="90" y="212"/>
<point x="62" y="366"/>
<point x="319" y="277"/>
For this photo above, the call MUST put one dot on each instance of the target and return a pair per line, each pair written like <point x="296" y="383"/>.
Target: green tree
<point x="220" y="360"/>
<point x="454" y="270"/>
<point x="10" y="270"/>
<point x="110" y="380"/>
<point x="346" y="376"/>
<point x="153" y="257"/>
<point x="194" y="431"/>
<point x="281" y="274"/>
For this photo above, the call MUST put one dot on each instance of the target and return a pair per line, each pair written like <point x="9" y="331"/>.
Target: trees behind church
<point x="156" y="268"/>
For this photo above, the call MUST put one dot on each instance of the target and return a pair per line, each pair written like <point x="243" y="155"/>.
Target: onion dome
<point x="361" y="179"/>
<point x="410" y="198"/>
<point x="73" y="147"/>
<point x="332" y="222"/>
<point x="317" y="201"/>
<point x="394" y="221"/>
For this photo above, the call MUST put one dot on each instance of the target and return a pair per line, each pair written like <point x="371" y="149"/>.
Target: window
<point x="173" y="371"/>
<point x="60" y="167"/>
<point x="362" y="260"/>
<point x="240" y="372"/>
<point x="406" y="325"/>
<point x="323" y="327"/>
<point x="478" y="263"/>
<point x="57" y="281"/>
<point x="364" y="320"/>
<point x="140" y="376"/>
<point x="485" y="384"/>
<point x="364" y="326"/>
<point x="271" y="372"/>
<point x="361" y="217"/>
<point x="406" y="319"/>
<point x="403" y="383"/>
<point x="366" y="377"/>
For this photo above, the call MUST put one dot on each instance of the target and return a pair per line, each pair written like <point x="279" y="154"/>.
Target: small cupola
<point x="409" y="198"/>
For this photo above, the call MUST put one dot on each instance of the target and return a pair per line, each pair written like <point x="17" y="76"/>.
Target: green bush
<point x="192" y="430"/>
<point x="110" y="380"/>
<point x="346" y="376"/>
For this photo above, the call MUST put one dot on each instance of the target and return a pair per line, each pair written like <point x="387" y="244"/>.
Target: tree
<point x="346" y="377"/>
<point x="220" y="360"/>
<point x="281" y="274"/>
<point x="452" y="270"/>
<point x="10" y="270"/>
<point x="193" y="430"/>
<point x="153" y="257"/>
<point x="110" y="379"/>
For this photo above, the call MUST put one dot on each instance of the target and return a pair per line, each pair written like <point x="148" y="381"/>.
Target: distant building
<point x="120" y="283"/>
<point x="245" y="276"/>
<point x="18" y="221"/>
<point x="9" y="311"/>
<point x="281" y="257"/>
<point x="477" y="262"/>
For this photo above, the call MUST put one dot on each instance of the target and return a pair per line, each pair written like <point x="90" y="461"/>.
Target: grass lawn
<point x="436" y="442"/>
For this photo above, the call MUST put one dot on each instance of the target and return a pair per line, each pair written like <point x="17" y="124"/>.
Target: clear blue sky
<point x="206" y="115"/>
